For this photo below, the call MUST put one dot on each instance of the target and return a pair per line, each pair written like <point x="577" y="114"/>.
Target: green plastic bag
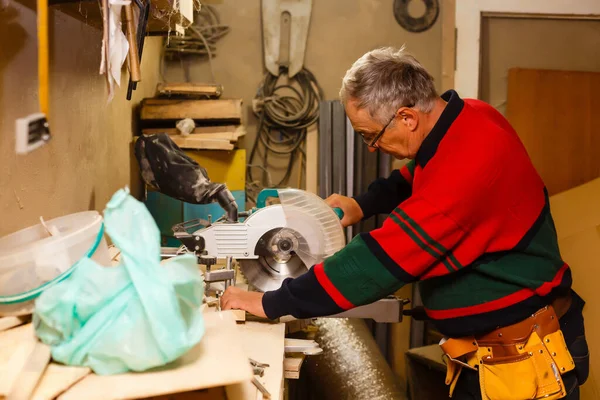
<point x="130" y="317"/>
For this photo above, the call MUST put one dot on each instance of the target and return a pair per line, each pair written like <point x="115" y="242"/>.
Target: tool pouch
<point x="518" y="362"/>
<point x="456" y="353"/>
<point x="532" y="372"/>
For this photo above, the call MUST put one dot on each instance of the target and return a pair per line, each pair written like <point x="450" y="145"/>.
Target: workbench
<point x="217" y="368"/>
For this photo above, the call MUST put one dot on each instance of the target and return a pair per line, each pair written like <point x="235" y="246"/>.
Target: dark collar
<point x="431" y="142"/>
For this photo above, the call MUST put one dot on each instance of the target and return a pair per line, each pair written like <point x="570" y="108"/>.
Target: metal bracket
<point x="285" y="30"/>
<point x="388" y="310"/>
<point x="219" y="275"/>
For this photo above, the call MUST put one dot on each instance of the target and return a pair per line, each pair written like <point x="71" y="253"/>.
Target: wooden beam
<point x="207" y="110"/>
<point x="190" y="89"/>
<point x="187" y="142"/>
<point x="448" y="44"/>
<point x="226" y="132"/>
<point x="292" y="365"/>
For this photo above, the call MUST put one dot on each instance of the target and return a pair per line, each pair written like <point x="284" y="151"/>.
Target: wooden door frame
<point x="461" y="58"/>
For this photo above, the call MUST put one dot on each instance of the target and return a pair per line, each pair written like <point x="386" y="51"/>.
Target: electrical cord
<point x="285" y="108"/>
<point x="200" y="40"/>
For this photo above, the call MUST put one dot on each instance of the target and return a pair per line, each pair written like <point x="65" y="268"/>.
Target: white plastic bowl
<point x="31" y="259"/>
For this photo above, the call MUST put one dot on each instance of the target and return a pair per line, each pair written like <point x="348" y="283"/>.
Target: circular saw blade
<point x="277" y="260"/>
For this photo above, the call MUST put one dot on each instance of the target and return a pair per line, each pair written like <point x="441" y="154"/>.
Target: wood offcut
<point x="189" y="89"/>
<point x="202" y="110"/>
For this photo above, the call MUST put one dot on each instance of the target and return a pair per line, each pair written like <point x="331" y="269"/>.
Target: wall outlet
<point x="32" y="132"/>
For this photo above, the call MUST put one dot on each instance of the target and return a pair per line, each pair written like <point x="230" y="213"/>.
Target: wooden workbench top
<point x="220" y="359"/>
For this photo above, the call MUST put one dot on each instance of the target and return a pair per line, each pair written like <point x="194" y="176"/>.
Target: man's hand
<point x="238" y="299"/>
<point x="352" y="211"/>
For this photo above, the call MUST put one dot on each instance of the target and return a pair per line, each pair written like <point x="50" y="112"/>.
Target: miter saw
<point x="274" y="242"/>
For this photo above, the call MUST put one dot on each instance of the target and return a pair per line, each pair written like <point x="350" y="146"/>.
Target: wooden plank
<point x="264" y="342"/>
<point x="31" y="373"/>
<point x="219" y="359"/>
<point x="217" y="393"/>
<point x="199" y="143"/>
<point x="582" y="251"/>
<point x="206" y="110"/>
<point x="555" y="115"/>
<point x="56" y="379"/>
<point x="189" y="89"/>
<point x="239" y="315"/>
<point x="448" y="44"/>
<point x="16" y="346"/>
<point x="174" y="133"/>
<point x="577" y="219"/>
<point x="10" y="322"/>
<point x="229" y="132"/>
<point x="292" y="365"/>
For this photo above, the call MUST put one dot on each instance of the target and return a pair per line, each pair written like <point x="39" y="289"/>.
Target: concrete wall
<point x="88" y="158"/>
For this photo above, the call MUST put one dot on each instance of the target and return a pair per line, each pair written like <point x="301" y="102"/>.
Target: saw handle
<point x="339" y="212"/>
<point x="261" y="200"/>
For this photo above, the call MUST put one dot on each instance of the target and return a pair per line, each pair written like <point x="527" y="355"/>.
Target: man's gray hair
<point x="385" y="79"/>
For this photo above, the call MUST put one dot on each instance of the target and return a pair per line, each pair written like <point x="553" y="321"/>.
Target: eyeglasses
<point x="371" y="142"/>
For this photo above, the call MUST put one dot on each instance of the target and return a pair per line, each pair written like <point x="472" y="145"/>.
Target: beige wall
<point x="340" y="32"/>
<point x="88" y="158"/>
<point x="534" y="43"/>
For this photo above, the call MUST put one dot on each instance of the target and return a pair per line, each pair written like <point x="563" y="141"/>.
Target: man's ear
<point x="409" y="117"/>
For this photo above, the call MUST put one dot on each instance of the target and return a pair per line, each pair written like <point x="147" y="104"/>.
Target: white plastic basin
<point x="30" y="258"/>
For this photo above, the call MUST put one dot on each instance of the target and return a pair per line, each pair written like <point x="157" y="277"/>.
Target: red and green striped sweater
<point x="469" y="219"/>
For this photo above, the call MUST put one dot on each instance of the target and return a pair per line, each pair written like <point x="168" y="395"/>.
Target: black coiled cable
<point x="284" y="111"/>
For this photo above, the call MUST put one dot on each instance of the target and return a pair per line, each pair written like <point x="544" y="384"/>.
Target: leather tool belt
<point x="517" y="362"/>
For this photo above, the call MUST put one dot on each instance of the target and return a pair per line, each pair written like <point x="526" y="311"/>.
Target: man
<point x="469" y="220"/>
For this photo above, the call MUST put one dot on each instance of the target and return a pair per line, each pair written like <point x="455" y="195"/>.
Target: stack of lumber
<point x="218" y="121"/>
<point x="219" y="360"/>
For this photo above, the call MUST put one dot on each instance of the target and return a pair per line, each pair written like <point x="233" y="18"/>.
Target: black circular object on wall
<point x="411" y="24"/>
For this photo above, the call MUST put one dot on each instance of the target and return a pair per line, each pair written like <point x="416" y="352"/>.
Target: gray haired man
<point x="469" y="221"/>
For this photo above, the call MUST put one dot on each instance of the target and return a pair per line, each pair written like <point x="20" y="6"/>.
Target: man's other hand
<point x="238" y="299"/>
<point x="352" y="211"/>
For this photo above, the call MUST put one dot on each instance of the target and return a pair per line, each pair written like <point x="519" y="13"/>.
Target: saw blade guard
<point x="315" y="221"/>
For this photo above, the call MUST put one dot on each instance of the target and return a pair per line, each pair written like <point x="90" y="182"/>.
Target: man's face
<point x="398" y="138"/>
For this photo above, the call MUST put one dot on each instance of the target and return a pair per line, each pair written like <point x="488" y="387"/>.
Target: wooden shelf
<point x="88" y="11"/>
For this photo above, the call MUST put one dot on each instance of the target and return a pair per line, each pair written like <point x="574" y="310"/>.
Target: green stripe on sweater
<point x="359" y="275"/>
<point x="499" y="277"/>
<point x="420" y="242"/>
<point x="430" y="241"/>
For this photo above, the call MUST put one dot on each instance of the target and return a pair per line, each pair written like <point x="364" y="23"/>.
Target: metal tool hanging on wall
<point x="285" y="30"/>
<point x="141" y="35"/>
